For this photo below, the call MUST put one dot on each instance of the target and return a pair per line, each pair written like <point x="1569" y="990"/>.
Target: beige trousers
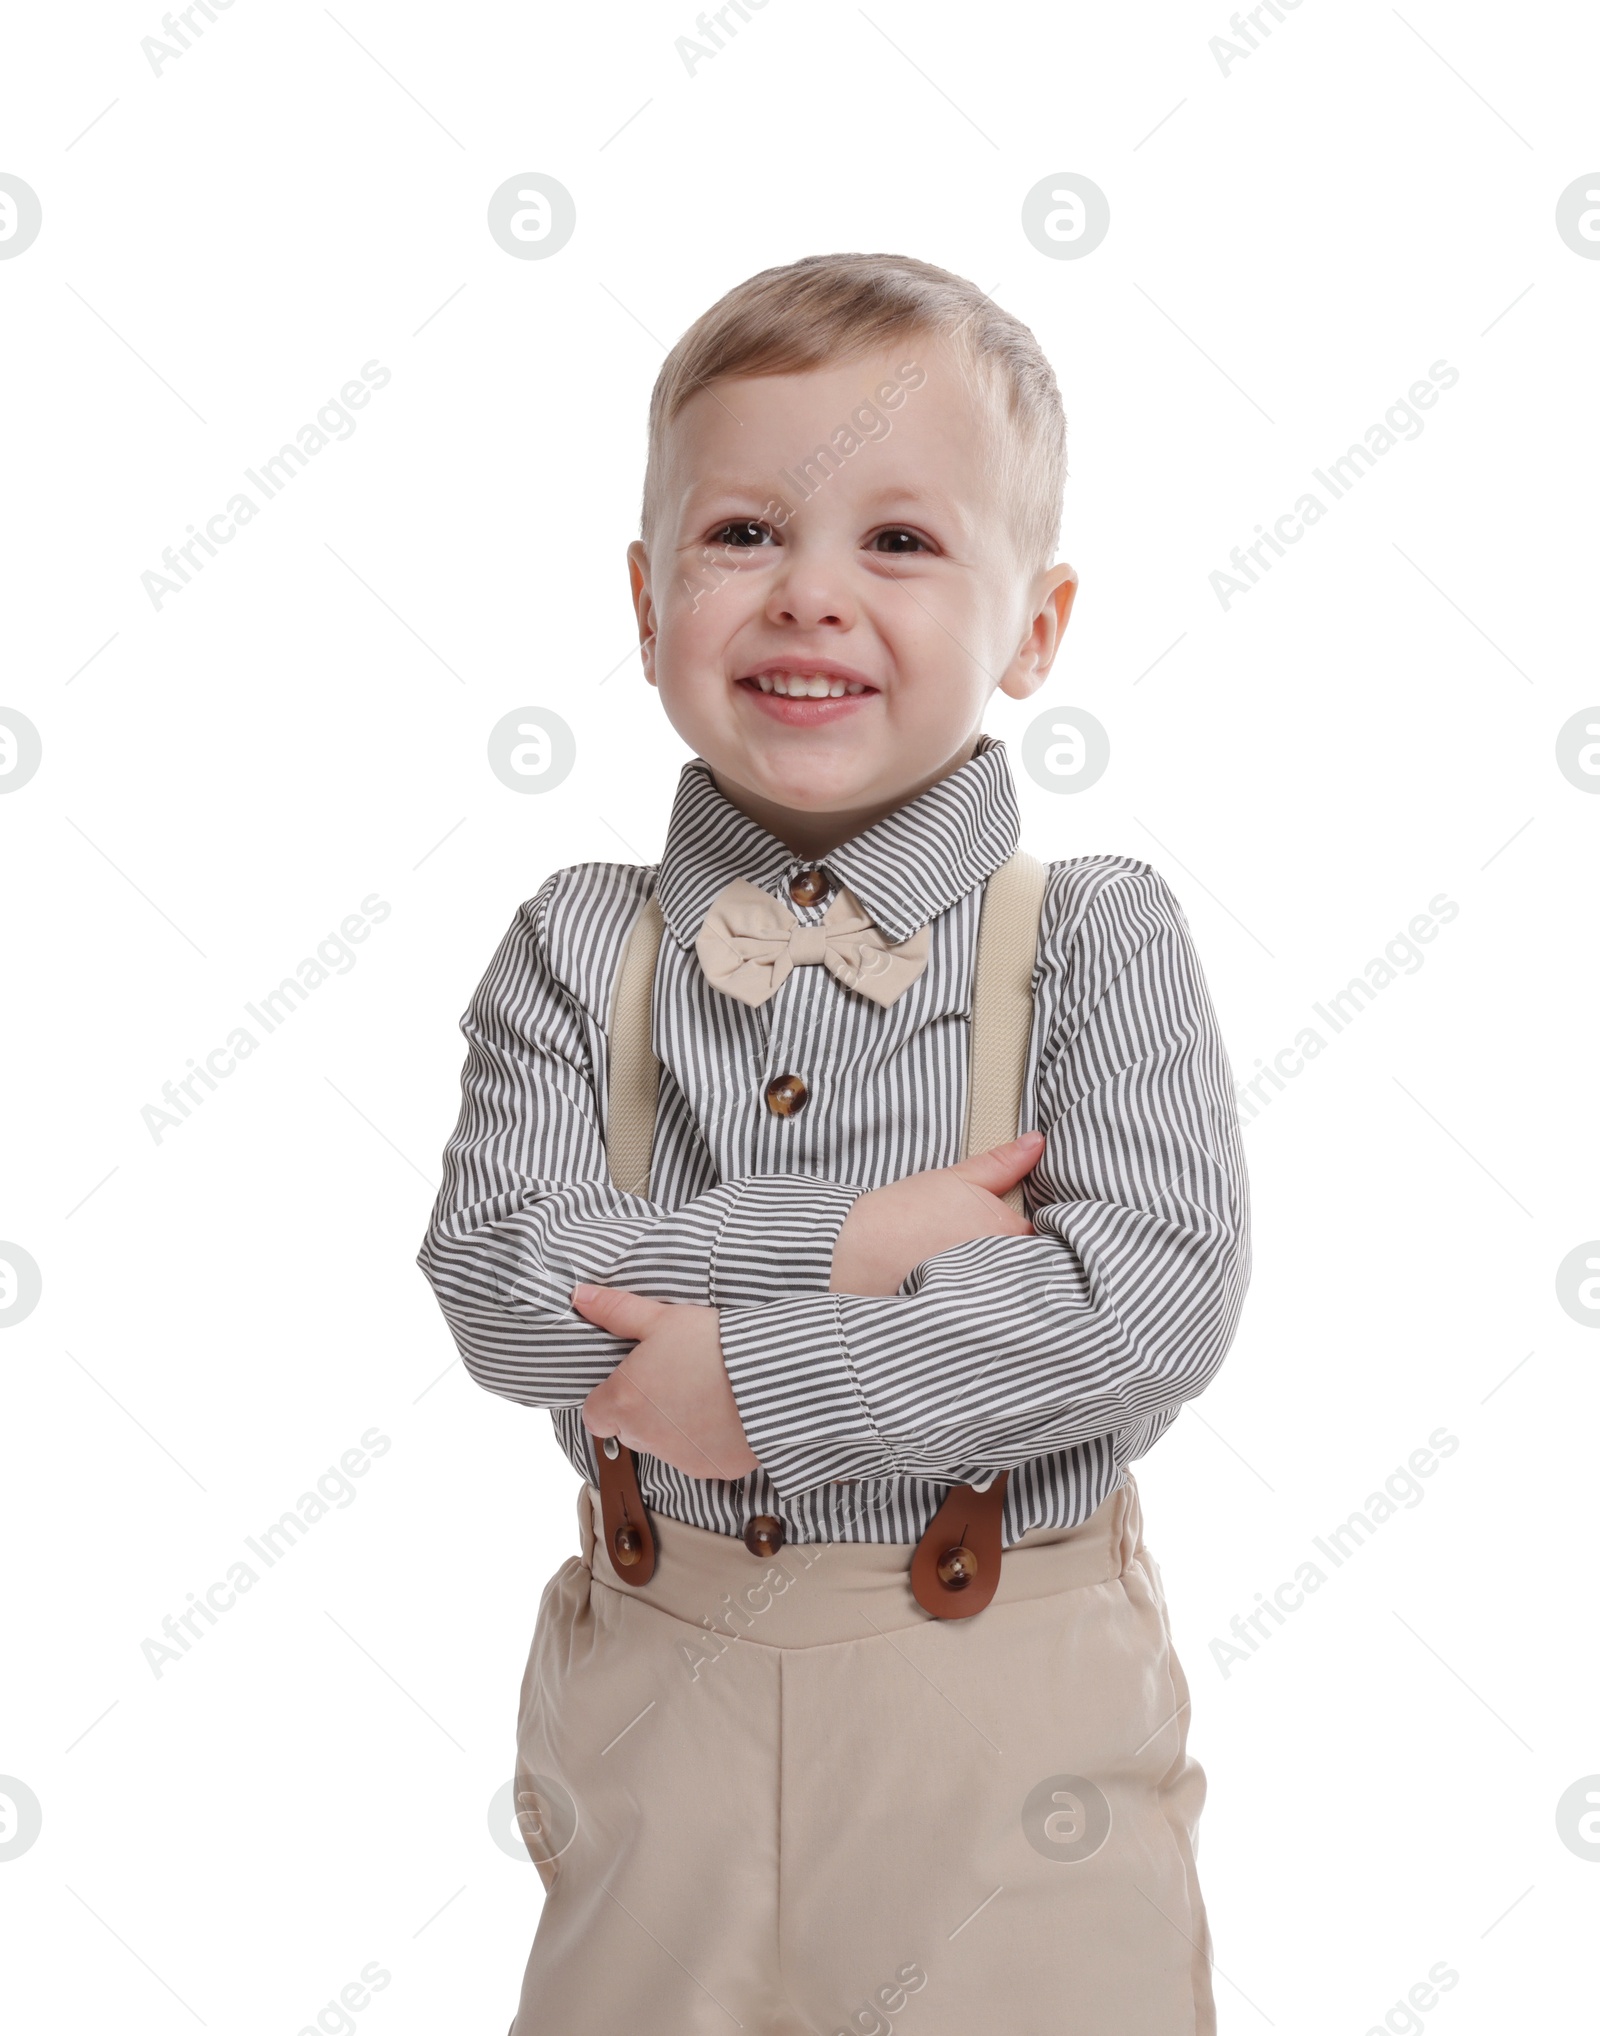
<point x="774" y="1795"/>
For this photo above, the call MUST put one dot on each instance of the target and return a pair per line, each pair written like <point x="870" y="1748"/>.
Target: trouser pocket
<point x="545" y="1810"/>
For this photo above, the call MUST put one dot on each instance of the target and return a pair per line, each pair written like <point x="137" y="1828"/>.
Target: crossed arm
<point x="671" y="1394"/>
<point x="951" y="1352"/>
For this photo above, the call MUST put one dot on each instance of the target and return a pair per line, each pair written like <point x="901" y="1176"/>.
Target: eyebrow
<point x="731" y="484"/>
<point x="877" y="498"/>
<point x="934" y="497"/>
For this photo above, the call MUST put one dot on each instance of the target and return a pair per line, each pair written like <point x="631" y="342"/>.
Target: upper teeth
<point x="811" y="685"/>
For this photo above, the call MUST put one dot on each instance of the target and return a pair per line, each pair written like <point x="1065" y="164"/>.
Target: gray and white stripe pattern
<point x="1063" y="1356"/>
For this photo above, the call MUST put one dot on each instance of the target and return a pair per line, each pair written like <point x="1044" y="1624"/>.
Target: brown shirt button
<point x="808" y="887"/>
<point x="786" y="1095"/>
<point x="763" y="1534"/>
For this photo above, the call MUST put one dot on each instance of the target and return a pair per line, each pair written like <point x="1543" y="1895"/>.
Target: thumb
<point x="615" y="1308"/>
<point x="1002" y="1166"/>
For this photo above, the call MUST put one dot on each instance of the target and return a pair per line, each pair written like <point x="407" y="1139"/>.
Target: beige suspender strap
<point x="955" y="1569"/>
<point x="634" y="1078"/>
<point x="1002" y="1005"/>
<point x="1002" y="1017"/>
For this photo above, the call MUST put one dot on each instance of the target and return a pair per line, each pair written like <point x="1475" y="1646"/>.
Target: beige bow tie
<point x="750" y="941"/>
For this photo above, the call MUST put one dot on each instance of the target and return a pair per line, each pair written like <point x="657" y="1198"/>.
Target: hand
<point x="890" y="1230"/>
<point x="670" y="1395"/>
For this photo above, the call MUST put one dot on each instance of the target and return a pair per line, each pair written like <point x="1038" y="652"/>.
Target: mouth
<point x="807" y="693"/>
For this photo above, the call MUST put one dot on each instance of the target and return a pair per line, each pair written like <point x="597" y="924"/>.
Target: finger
<point x="1016" y="1221"/>
<point x="616" y="1309"/>
<point x="1002" y="1166"/>
<point x="1010" y="1222"/>
<point x="614" y="1408"/>
<point x="598" y="1411"/>
<point x="611" y="1410"/>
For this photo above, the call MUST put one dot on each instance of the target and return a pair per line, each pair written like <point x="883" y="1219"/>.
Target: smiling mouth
<point x="799" y="685"/>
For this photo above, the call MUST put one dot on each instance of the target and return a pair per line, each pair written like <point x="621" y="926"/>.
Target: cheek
<point x="954" y="625"/>
<point x="710" y="600"/>
<point x="701" y="617"/>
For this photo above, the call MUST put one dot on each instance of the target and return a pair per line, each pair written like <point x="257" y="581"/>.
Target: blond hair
<point x="830" y="308"/>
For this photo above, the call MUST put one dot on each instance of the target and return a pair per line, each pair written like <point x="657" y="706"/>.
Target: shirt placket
<point x="792" y="1077"/>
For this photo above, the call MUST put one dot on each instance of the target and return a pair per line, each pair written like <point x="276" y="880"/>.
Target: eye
<point x="898" y="541"/>
<point x="743" y="533"/>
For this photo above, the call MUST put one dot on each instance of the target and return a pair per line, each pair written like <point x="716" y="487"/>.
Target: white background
<point x="224" y="779"/>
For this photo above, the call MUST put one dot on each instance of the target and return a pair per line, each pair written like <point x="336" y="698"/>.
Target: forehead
<point x="918" y="414"/>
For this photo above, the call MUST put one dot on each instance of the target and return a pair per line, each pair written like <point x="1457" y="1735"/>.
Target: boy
<point x="781" y="1783"/>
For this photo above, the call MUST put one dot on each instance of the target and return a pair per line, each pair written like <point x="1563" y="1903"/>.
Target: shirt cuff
<point x="802" y="1407"/>
<point x="778" y="1239"/>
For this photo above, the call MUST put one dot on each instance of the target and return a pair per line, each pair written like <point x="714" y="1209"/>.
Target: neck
<point x="815" y="833"/>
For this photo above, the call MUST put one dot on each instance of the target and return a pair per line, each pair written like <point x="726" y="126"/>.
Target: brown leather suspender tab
<point x="956" y="1569"/>
<point x="624" y="1522"/>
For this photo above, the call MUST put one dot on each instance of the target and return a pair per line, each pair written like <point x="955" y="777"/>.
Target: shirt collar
<point x="906" y="868"/>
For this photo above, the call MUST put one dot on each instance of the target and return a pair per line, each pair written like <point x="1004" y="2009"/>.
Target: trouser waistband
<point x="812" y="1593"/>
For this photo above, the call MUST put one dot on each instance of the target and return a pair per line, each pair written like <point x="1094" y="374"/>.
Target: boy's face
<point x="896" y="573"/>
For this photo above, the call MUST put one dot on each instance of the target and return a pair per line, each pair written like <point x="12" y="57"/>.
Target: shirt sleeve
<point x="1120" y="1307"/>
<point x="527" y="1207"/>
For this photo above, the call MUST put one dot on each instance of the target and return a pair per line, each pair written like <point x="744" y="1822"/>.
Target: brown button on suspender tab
<point x="623" y="1519"/>
<point x="956" y="1569"/>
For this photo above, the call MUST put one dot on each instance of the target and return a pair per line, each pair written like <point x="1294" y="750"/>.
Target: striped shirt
<point x="1063" y="1355"/>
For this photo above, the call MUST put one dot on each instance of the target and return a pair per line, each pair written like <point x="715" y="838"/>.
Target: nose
<point x="810" y="592"/>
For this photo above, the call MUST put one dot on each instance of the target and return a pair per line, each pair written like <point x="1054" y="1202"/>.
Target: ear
<point x="1052" y="596"/>
<point x="643" y="607"/>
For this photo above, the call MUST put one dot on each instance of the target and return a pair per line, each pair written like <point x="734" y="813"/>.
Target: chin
<point x="798" y="787"/>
